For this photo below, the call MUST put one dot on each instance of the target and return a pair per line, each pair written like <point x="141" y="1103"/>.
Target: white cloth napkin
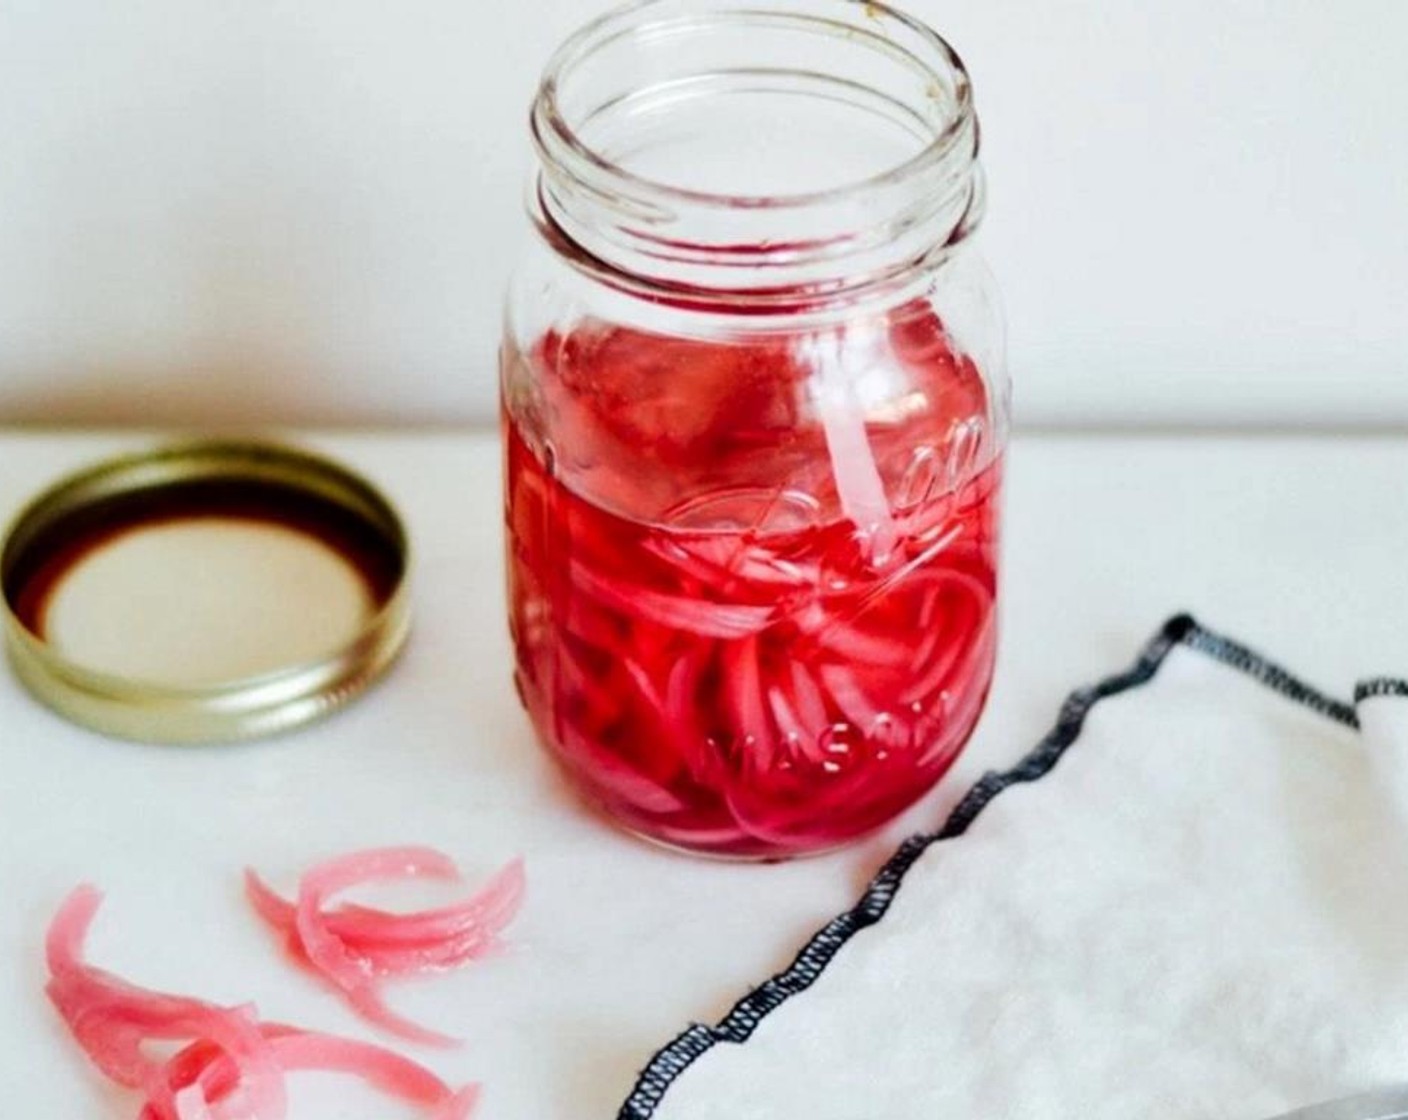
<point x="1190" y="901"/>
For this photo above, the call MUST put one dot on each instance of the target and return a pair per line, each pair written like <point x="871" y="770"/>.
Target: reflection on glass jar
<point x="754" y="409"/>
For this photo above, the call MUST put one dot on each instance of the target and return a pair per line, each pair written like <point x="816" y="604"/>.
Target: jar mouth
<point x="557" y="140"/>
<point x="856" y="119"/>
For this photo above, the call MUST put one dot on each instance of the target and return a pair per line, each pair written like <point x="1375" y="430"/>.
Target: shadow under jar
<point x="754" y="409"/>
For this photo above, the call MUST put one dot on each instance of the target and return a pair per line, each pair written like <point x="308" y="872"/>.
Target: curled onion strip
<point x="232" y="1066"/>
<point x="111" y="1018"/>
<point x="353" y="947"/>
<point x="201" y="1076"/>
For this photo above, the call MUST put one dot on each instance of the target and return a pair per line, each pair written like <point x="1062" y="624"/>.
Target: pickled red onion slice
<point x="373" y="932"/>
<point x="485" y="914"/>
<point x="201" y="1076"/>
<point x="331" y="956"/>
<point x="354" y="946"/>
<point x="192" y="1078"/>
<point x="381" y="1068"/>
<point x="859" y="484"/>
<point x="367" y="928"/>
<point x="233" y="1066"/>
<point x="111" y="1019"/>
<point x="674" y="612"/>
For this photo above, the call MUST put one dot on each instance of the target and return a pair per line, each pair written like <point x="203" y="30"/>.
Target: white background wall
<point x="303" y="210"/>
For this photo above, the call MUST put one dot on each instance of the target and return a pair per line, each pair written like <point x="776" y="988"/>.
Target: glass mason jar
<point x="754" y="409"/>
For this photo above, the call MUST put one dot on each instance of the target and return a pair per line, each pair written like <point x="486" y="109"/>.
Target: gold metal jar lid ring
<point x="237" y="481"/>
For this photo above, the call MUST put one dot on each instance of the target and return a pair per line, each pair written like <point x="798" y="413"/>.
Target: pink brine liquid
<point x="713" y="647"/>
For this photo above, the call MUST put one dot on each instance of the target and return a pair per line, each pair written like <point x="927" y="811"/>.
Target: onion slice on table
<point x="200" y="1076"/>
<point x="232" y="1066"/>
<point x="354" y="947"/>
<point x="112" y="1019"/>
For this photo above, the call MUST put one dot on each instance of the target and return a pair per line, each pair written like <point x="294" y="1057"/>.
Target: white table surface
<point x="1297" y="545"/>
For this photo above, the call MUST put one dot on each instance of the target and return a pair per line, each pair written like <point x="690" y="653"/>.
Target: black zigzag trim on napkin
<point x="1379" y="686"/>
<point x="738" y="1025"/>
<point x="1273" y="676"/>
